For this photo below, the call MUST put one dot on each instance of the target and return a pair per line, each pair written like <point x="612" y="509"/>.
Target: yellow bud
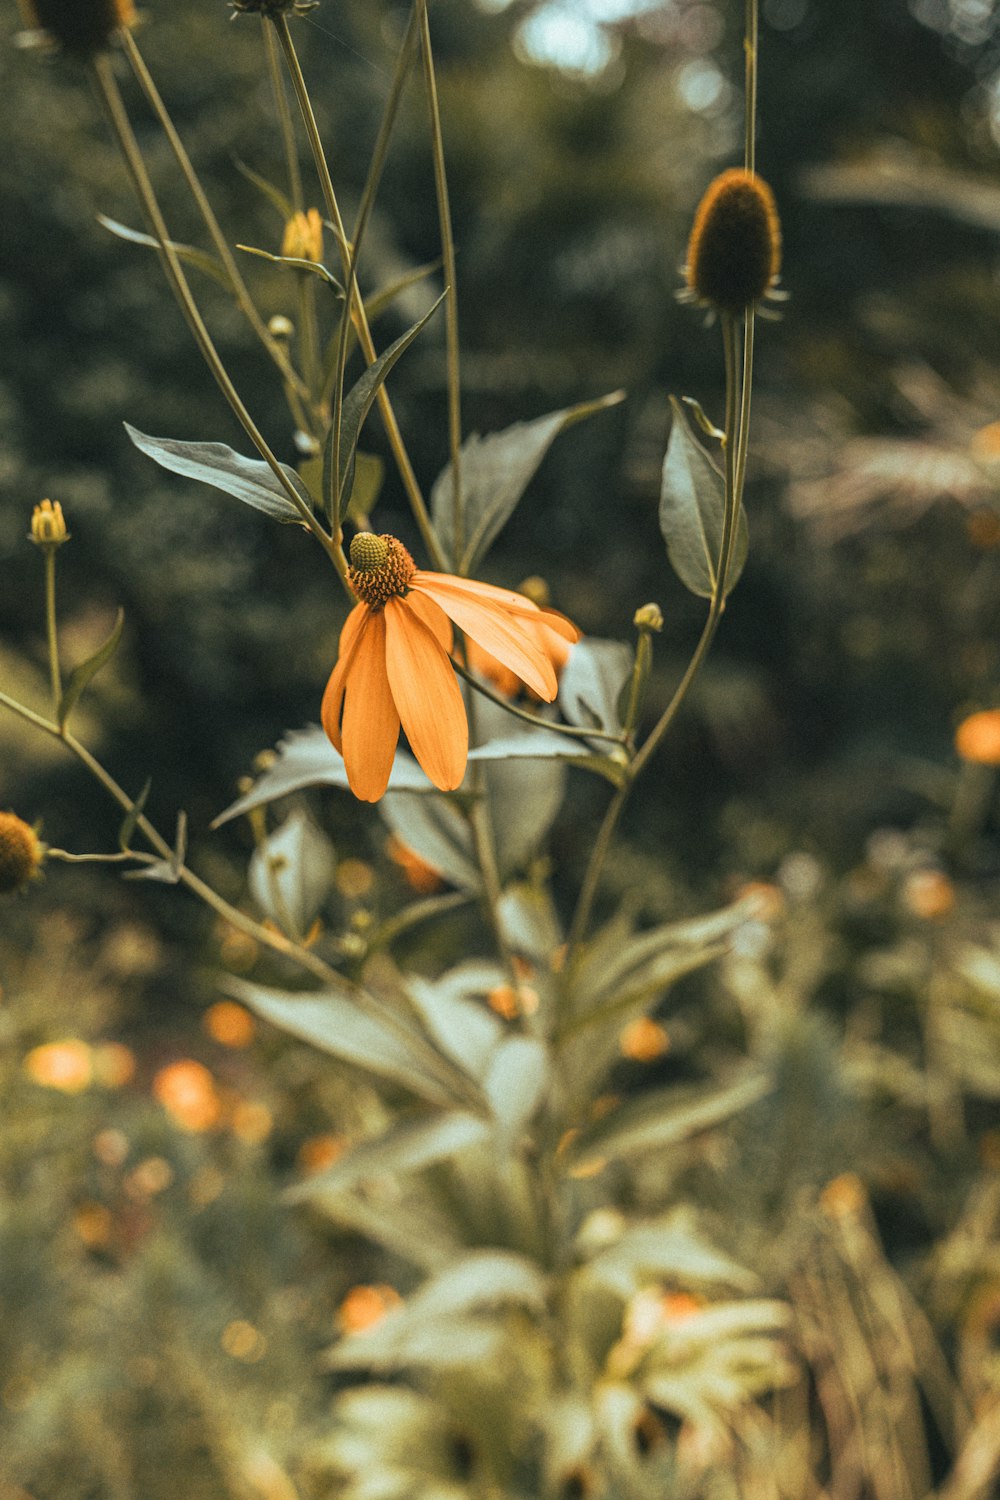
<point x="649" y="617"/>
<point x="20" y="853"/>
<point x="303" y="237"/>
<point x="48" y="525"/>
<point x="80" y="26"/>
<point x="280" y="327"/>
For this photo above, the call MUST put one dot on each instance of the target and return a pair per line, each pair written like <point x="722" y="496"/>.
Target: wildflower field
<point x="499" y="746"/>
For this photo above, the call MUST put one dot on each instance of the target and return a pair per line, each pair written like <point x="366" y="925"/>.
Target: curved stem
<point x="357" y="307"/>
<point x="239" y="287"/>
<point x="572" y="730"/>
<point x="451" y="280"/>
<point x="114" y="108"/>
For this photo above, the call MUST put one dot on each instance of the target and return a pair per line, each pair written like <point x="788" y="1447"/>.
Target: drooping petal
<point x="513" y="602"/>
<point x="333" y="697"/>
<point x="426" y="694"/>
<point x="434" y="617"/>
<point x="371" y="723"/>
<point x="507" y="638"/>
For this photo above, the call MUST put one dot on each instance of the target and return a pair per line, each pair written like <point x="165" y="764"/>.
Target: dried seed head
<point x="273" y="7"/>
<point x="734" y="253"/>
<point x="380" y="567"/>
<point x="80" y="26"/>
<point x="20" y="853"/>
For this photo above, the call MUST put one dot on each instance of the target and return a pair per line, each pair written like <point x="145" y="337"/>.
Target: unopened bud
<point x="303" y="237"/>
<point x="648" y="617"/>
<point x="280" y="327"/>
<point x="734" y="253"/>
<point x="48" y="525"/>
<point x="20" y="853"/>
<point x="80" y="26"/>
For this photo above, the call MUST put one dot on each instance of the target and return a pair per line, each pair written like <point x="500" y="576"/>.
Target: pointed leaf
<point x="291" y="873"/>
<point x="306" y="758"/>
<point x="357" y="404"/>
<point x="664" y="1118"/>
<point x="495" y="472"/>
<point x="278" y="200"/>
<point x="514" y="1084"/>
<point x="248" y="479"/>
<point x="297" y="263"/>
<point x="87" y="670"/>
<point x="408" y="1146"/>
<point x="434" y="828"/>
<point x="200" y="259"/>
<point x="131" y="819"/>
<point x="462" y="1027"/>
<point x="692" y="505"/>
<point x="667" y="1248"/>
<point x="370" y="1038"/>
<point x="592" y="682"/>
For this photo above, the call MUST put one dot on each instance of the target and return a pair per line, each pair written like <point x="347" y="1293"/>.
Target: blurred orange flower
<point x="187" y="1091"/>
<point x="644" y="1040"/>
<point x="229" y="1024"/>
<point x="66" y="1066"/>
<point x="364" y="1306"/>
<point x="394" y="669"/>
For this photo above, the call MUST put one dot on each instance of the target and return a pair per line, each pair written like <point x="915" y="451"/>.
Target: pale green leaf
<point x="248" y="479"/>
<point x="190" y="254"/>
<point x="291" y="873"/>
<point x="591" y="685"/>
<point x="692" y="506"/>
<point x="408" y="1146"/>
<point x="87" y="670"/>
<point x="515" y="1081"/>
<point x="434" y="828"/>
<point x="664" y="1117"/>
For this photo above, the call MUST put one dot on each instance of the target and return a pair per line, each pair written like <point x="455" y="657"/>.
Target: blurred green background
<point x="580" y="137"/>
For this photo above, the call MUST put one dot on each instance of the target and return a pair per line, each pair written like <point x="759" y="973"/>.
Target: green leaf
<point x="372" y="1037"/>
<point x="167" y="871"/>
<point x="306" y="758"/>
<point x="248" y="479"/>
<point x="434" y="828"/>
<point x="523" y="799"/>
<point x="592" y="682"/>
<point x="131" y="819"/>
<point x="369" y="476"/>
<point x="399" y="1344"/>
<point x="514" y="1083"/>
<point x="666" y="1248"/>
<point x="408" y="1146"/>
<point x="278" y="200"/>
<point x="87" y="670"/>
<point x="692" y="506"/>
<point x="662" y="1118"/>
<point x="529" y="921"/>
<point x="545" y="744"/>
<point x="291" y="873"/>
<point x="357" y="404"/>
<point x="402" y="1223"/>
<point x="495" y="472"/>
<point x="461" y="1026"/>
<point x="200" y="259"/>
<point x="297" y="263"/>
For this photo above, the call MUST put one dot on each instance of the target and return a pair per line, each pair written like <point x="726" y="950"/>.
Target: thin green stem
<point x="451" y="282"/>
<point x="51" y="627"/>
<point x="117" y="117"/>
<point x="571" y="730"/>
<point x="750" y="89"/>
<point x="285" y="122"/>
<point x="239" y="287"/>
<point x="357" y="306"/>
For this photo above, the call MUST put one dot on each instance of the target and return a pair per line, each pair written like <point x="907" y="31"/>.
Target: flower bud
<point x="20" y="853"/>
<point x="48" y="525"/>
<point x="734" y="253"/>
<point x="80" y="26"/>
<point x="648" y="617"/>
<point x="303" y="237"/>
<point x="280" y="327"/>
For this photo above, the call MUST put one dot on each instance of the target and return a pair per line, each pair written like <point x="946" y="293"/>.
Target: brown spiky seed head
<point x="380" y="567"/>
<point x="20" y="852"/>
<point x="80" y="26"/>
<point x="734" y="253"/>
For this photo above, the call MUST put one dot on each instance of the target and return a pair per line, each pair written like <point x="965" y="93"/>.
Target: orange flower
<point x="394" y="669"/>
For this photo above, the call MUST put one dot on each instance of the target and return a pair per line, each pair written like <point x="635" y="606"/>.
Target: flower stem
<point x="239" y="287"/>
<point x="51" y="628"/>
<point x="573" y="730"/>
<point x="357" y="306"/>
<point x="114" y="109"/>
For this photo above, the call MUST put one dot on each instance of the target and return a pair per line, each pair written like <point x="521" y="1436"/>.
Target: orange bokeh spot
<point x="229" y="1024"/>
<point x="187" y="1091"/>
<point x="644" y="1040"/>
<point x="364" y="1306"/>
<point x="93" y="1224"/>
<point x="67" y="1066"/>
<point x="985" y="442"/>
<point x="929" y="894"/>
<point x="844" y="1197"/>
<point x="318" y="1152"/>
<point x="677" y="1307"/>
<point x="977" y="738"/>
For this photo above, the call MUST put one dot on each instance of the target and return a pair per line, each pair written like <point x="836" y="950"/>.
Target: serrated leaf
<point x="434" y="828"/>
<point x="408" y="1146"/>
<point x="495" y="472"/>
<point x="190" y="254"/>
<point x="692" y="507"/>
<point x="87" y="670"/>
<point x="357" y="404"/>
<point x="592" y="682"/>
<point x="372" y="1038"/>
<point x="306" y="758"/>
<point x="662" y="1118"/>
<point x="291" y="873"/>
<point x="248" y="479"/>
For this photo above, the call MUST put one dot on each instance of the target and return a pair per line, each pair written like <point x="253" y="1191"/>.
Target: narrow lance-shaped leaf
<point x="297" y="263"/>
<point x="87" y="670"/>
<point x="131" y="819"/>
<point x="248" y="479"/>
<point x="357" y="404"/>
<point x="167" y="871"/>
<point x="692" y="509"/>
<point x="200" y="259"/>
<point x="495" y="472"/>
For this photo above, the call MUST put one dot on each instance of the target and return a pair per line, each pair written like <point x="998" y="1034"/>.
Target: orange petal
<point x="371" y="723"/>
<point x="560" y="624"/>
<point x="333" y="698"/>
<point x="508" y="639"/>
<point x="507" y="599"/>
<point x="434" y="618"/>
<point x="426" y="694"/>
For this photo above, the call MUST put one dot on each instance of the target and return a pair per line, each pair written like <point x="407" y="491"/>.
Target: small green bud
<point x="648" y="617"/>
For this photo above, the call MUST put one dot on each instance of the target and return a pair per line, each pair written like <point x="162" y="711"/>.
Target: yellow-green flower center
<point x="380" y="567"/>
